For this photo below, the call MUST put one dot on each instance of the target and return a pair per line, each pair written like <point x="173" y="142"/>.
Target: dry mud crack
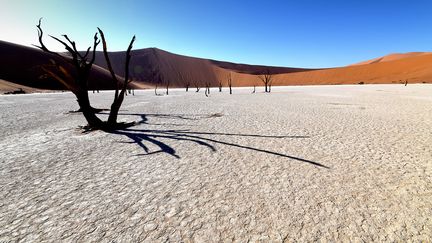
<point x="242" y="167"/>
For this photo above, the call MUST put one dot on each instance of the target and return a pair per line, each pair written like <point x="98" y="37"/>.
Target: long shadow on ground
<point x="143" y="136"/>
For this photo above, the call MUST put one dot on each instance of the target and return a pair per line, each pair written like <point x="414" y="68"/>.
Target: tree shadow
<point x="141" y="137"/>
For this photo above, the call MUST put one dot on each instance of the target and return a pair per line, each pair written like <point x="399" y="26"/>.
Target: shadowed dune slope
<point x="180" y="70"/>
<point x="22" y="65"/>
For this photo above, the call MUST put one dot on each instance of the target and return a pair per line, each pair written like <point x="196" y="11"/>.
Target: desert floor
<point x="344" y="163"/>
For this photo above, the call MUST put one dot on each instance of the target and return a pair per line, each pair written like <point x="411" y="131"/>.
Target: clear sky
<point x="302" y="33"/>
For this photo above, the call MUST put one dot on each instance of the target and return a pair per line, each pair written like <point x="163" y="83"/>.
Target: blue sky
<point x="284" y="33"/>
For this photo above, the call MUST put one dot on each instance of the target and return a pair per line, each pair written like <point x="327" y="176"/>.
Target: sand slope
<point x="238" y="167"/>
<point x="392" y="57"/>
<point x="416" y="69"/>
<point x="19" y="64"/>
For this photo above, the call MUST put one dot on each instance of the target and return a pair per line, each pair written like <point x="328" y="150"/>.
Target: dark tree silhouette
<point x="156" y="78"/>
<point x="74" y="72"/>
<point x="197" y="87"/>
<point x="267" y="79"/>
<point x="184" y="79"/>
<point x="207" y="90"/>
<point x="167" y="83"/>
<point x="230" y="83"/>
<point x="220" y="85"/>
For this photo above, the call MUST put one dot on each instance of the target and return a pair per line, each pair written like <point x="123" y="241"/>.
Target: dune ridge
<point x="18" y="64"/>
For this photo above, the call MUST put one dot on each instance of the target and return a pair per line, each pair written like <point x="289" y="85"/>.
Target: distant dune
<point x="392" y="57"/>
<point x="20" y="65"/>
<point x="180" y="69"/>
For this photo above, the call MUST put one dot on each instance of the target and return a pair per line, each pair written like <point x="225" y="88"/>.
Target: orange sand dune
<point x="392" y="57"/>
<point x="414" y="69"/>
<point x="179" y="70"/>
<point x="19" y="64"/>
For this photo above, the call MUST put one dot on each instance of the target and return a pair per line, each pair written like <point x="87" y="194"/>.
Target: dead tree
<point x="207" y="90"/>
<point x="197" y="87"/>
<point x="230" y="83"/>
<point x="254" y="90"/>
<point x="267" y="79"/>
<point x="167" y="86"/>
<point x="156" y="78"/>
<point x="220" y="86"/>
<point x="77" y="80"/>
<point x="185" y="80"/>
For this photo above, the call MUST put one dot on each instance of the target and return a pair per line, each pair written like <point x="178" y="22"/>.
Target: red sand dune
<point x="19" y="64"/>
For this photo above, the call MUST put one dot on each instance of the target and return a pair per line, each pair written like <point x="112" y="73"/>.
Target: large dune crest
<point x="19" y="64"/>
<point x="392" y="57"/>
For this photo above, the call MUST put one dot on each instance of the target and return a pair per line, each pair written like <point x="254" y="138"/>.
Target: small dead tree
<point x="77" y="80"/>
<point x="197" y="87"/>
<point x="167" y="86"/>
<point x="254" y="90"/>
<point x="184" y="78"/>
<point x="207" y="90"/>
<point x="267" y="79"/>
<point x="230" y="83"/>
<point x="156" y="78"/>
<point x="220" y="85"/>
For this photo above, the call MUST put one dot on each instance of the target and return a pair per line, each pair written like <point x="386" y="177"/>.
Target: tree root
<point x="107" y="127"/>
<point x="95" y="110"/>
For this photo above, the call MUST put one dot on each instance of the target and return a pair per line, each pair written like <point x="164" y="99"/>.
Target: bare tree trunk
<point x="155" y="90"/>
<point x="167" y="87"/>
<point x="254" y="90"/>
<point x="115" y="107"/>
<point x="207" y="89"/>
<point x="230" y="83"/>
<point x="220" y="86"/>
<point x="87" y="110"/>
<point x="118" y="98"/>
